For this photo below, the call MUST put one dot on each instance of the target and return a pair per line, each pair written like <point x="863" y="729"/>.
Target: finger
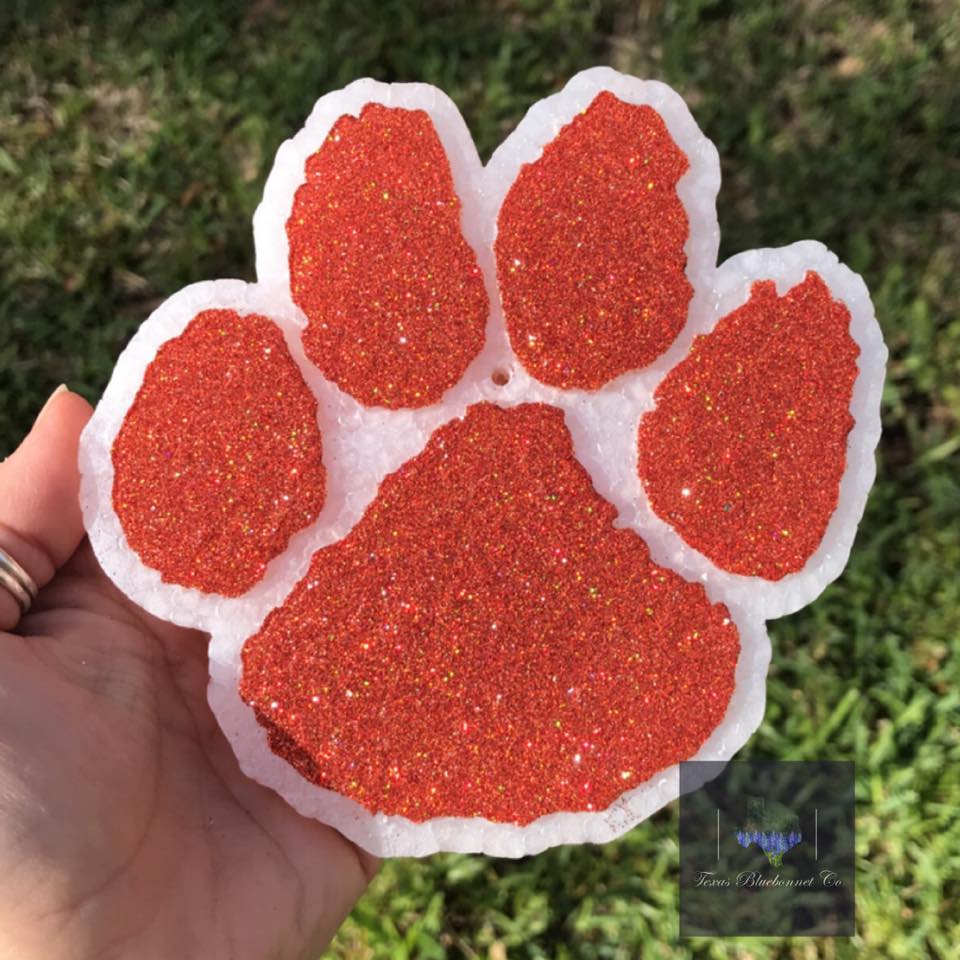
<point x="40" y="522"/>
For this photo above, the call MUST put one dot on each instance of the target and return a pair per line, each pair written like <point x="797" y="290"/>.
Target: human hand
<point x="126" y="826"/>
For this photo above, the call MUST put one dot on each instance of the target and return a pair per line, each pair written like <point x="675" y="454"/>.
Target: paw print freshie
<point x="486" y="488"/>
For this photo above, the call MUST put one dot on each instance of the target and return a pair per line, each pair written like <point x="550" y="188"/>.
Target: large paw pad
<point x="485" y="490"/>
<point x="486" y="643"/>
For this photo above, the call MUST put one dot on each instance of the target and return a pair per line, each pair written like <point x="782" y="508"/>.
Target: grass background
<point x="134" y="141"/>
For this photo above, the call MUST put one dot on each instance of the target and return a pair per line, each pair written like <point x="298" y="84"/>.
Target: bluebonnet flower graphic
<point x="781" y="831"/>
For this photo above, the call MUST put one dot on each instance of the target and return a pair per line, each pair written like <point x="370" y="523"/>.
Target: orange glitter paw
<point x="486" y="488"/>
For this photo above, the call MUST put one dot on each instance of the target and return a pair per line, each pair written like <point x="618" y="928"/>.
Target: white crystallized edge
<point x="361" y="446"/>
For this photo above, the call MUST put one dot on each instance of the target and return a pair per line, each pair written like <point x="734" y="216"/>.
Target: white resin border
<point x="370" y="442"/>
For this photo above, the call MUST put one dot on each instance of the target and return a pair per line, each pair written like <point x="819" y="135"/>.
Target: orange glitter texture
<point x="589" y="248"/>
<point x="395" y="300"/>
<point x="746" y="447"/>
<point x="485" y="643"/>
<point x="218" y="460"/>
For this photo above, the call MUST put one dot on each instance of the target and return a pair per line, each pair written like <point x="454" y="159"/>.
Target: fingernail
<point x="61" y="389"/>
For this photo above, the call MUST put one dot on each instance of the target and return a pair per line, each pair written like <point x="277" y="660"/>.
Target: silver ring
<point x="17" y="582"/>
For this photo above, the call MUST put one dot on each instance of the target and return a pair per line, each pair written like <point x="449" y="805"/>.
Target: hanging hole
<point x="500" y="377"/>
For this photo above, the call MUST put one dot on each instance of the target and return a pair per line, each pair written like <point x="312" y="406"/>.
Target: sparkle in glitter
<point x="218" y="460"/>
<point x="486" y="643"/>
<point x="744" y="451"/>
<point x="590" y="248"/>
<point x="394" y="298"/>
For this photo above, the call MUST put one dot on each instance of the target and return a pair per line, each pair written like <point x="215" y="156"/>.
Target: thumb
<point x="40" y="521"/>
